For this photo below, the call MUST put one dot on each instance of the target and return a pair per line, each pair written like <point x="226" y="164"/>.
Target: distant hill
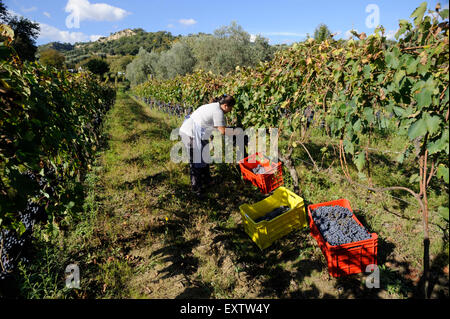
<point x="117" y="35"/>
<point x="62" y="47"/>
<point x="121" y="43"/>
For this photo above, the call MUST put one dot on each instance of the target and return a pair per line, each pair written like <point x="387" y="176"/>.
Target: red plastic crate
<point x="272" y="179"/>
<point x="347" y="259"/>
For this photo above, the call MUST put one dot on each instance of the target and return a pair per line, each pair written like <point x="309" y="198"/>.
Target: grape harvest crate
<point x="346" y="259"/>
<point x="266" y="232"/>
<point x="267" y="182"/>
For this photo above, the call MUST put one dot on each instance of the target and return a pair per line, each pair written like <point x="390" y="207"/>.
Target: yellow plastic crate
<point x="266" y="232"/>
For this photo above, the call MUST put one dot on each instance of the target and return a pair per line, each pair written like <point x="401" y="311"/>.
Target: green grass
<point x="141" y="235"/>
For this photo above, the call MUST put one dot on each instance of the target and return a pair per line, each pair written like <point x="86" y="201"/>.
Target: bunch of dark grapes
<point x="45" y="182"/>
<point x="309" y="114"/>
<point x="259" y="169"/>
<point x="337" y="225"/>
<point x="14" y="247"/>
<point x="30" y="175"/>
<point x="32" y="214"/>
<point x="275" y="213"/>
<point x="97" y="121"/>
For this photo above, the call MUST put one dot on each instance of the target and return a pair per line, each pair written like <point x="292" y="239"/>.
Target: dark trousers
<point x="200" y="176"/>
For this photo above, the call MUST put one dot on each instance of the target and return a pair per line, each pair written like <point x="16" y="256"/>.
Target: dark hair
<point x="225" y="99"/>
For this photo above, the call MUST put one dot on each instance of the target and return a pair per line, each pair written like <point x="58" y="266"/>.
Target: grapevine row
<point x="50" y="127"/>
<point x="358" y="88"/>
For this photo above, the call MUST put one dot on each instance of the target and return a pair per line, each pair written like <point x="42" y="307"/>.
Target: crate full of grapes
<point x="348" y="247"/>
<point x="262" y="172"/>
<point x="273" y="217"/>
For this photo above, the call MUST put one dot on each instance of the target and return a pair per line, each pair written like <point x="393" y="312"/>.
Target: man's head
<point x="226" y="103"/>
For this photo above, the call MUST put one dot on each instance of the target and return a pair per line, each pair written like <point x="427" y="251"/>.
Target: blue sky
<point x="281" y="21"/>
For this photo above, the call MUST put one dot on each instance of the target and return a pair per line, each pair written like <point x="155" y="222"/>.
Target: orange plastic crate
<point x="272" y="179"/>
<point x="347" y="259"/>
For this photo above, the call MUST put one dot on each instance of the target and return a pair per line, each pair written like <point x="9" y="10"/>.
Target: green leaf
<point x="340" y="124"/>
<point x="21" y="229"/>
<point x="398" y="77"/>
<point x="411" y="65"/>
<point x="424" y="97"/>
<point x="391" y="60"/>
<point x="442" y="171"/>
<point x="398" y="111"/>
<point x="360" y="160"/>
<point x="348" y="147"/>
<point x="441" y="144"/>
<point x="418" y="13"/>
<point x="404" y="25"/>
<point x="357" y="125"/>
<point x="443" y="212"/>
<point x="367" y="70"/>
<point x="414" y="178"/>
<point x="362" y="176"/>
<point x="444" y="14"/>
<point x="368" y="114"/>
<point x="426" y="124"/>
<point x="400" y="158"/>
<point x="432" y="123"/>
<point x="418" y="128"/>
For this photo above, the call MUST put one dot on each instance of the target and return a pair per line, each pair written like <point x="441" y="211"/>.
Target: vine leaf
<point x="392" y="60"/>
<point x="440" y="144"/>
<point x="360" y="160"/>
<point x="426" y="124"/>
<point x="444" y="14"/>
<point x="404" y="25"/>
<point x="348" y="147"/>
<point x="424" y="97"/>
<point x="443" y="211"/>
<point x="442" y="171"/>
<point x="432" y="123"/>
<point x="418" y="13"/>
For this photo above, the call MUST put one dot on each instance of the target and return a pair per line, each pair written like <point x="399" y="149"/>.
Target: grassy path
<point x="149" y="239"/>
<point x="142" y="236"/>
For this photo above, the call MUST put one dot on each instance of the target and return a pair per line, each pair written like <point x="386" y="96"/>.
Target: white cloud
<point x="51" y="33"/>
<point x="26" y="10"/>
<point x="348" y="34"/>
<point x="95" y="37"/>
<point x="187" y="22"/>
<point x="252" y="37"/>
<point x="170" y="25"/>
<point x="390" y="35"/>
<point x="84" y="10"/>
<point x="48" y="15"/>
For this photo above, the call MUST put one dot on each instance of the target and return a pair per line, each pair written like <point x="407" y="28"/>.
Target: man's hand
<point x="222" y="130"/>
